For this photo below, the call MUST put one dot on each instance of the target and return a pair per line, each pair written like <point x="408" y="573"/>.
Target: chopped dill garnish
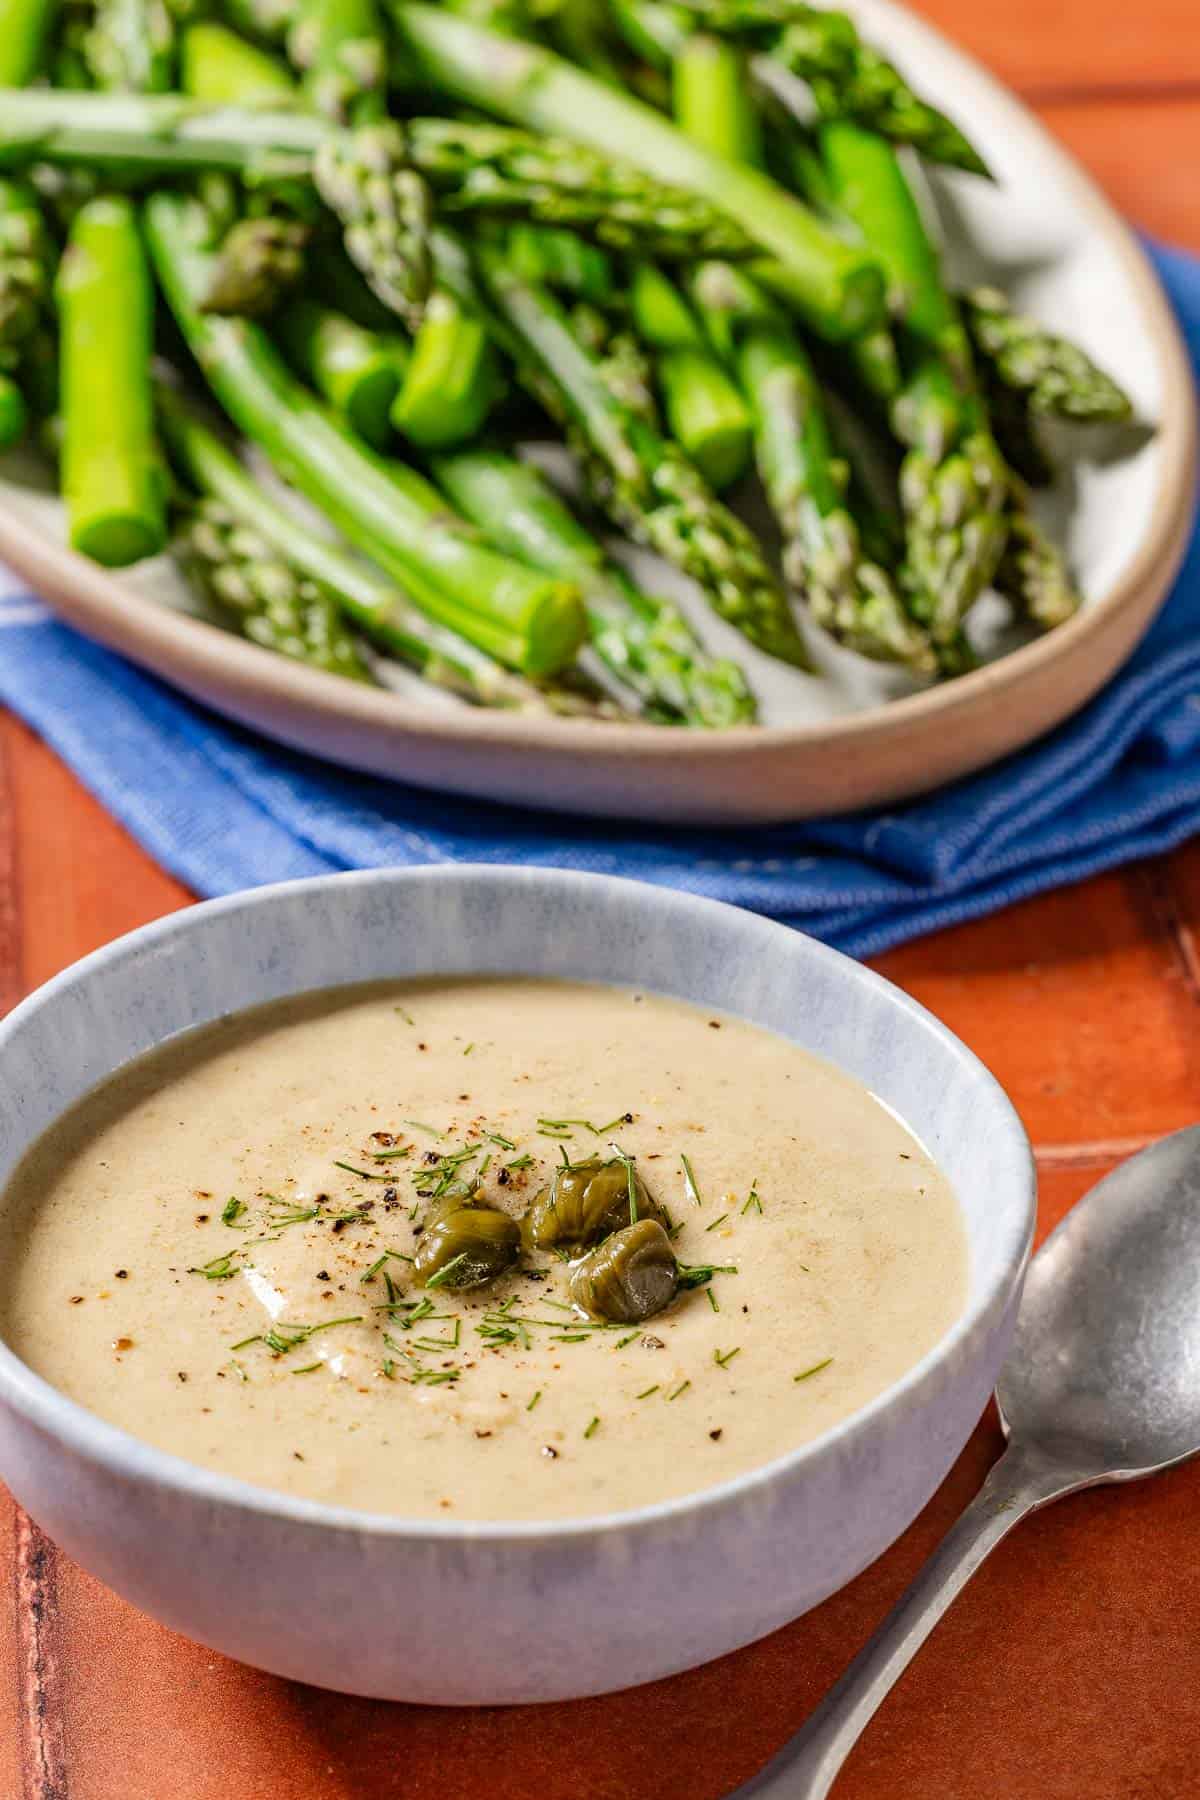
<point x="237" y="1369"/>
<point x="753" y="1199"/>
<point x="572" y="1337"/>
<point x="545" y="1131"/>
<point x="558" y="1305"/>
<point x="815" y="1370"/>
<point x="494" y="1137"/>
<point x="534" y="1401"/>
<point x="690" y="1187"/>
<point x="646" y="1392"/>
<point x="372" y="1272"/>
<point x="484" y="1166"/>
<point x="417" y="1125"/>
<point x="434" y="1377"/>
<point x="717" y="1222"/>
<point x="681" y="1389"/>
<point x="723" y="1359"/>
<point x="388" y="1155"/>
<point x="693" y="1275"/>
<point x="519" y="1162"/>
<point x="388" y="1369"/>
<point x="363" y="1174"/>
<point x="447" y="1270"/>
<point x="241" y="1345"/>
<point x="442" y="1343"/>
<point x="307" y="1369"/>
<point x="220" y="1268"/>
<point x="628" y="1339"/>
<point x="712" y="1299"/>
<point x="404" y="1014"/>
<point x="232" y="1211"/>
<point x="593" y="1427"/>
<point x="468" y="1049"/>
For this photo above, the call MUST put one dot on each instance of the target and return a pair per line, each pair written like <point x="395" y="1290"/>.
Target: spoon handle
<point x="807" y="1767"/>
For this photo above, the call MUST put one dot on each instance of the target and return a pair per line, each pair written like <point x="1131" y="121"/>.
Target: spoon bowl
<point x="1104" y="1372"/>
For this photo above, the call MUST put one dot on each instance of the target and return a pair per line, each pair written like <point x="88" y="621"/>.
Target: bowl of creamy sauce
<point x="581" y="1278"/>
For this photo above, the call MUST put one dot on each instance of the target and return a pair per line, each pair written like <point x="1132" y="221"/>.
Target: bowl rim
<point x="122" y="1454"/>
<point x="100" y="602"/>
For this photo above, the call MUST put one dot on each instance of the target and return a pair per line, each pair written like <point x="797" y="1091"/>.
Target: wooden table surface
<point x="1070" y="1669"/>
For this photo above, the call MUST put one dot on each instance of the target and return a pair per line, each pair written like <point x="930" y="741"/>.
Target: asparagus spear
<point x="451" y="381"/>
<point x="270" y="600"/>
<point x="954" y="483"/>
<point x="112" y="477"/>
<point x="845" y="78"/>
<point x="24" y="31"/>
<point x="646" y="643"/>
<point x="707" y="415"/>
<point x="131" y="46"/>
<point x="562" y="260"/>
<point x="339" y="45"/>
<point x="1033" y="572"/>
<point x="710" y="99"/>
<point x="357" y="371"/>
<point x="25" y="253"/>
<point x="530" y="623"/>
<point x="221" y="68"/>
<point x="261" y="260"/>
<point x="374" y="604"/>
<point x="645" y="484"/>
<point x="838" y="284"/>
<point x="1055" y="377"/>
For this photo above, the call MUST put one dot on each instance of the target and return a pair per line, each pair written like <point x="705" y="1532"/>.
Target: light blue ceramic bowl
<point x="508" y="1612"/>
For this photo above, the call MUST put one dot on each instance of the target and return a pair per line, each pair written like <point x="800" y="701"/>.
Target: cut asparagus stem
<point x="130" y="46"/>
<point x="223" y="69"/>
<point x="839" y="284"/>
<point x="531" y="623"/>
<point x="451" y="381"/>
<point x="954" y="483"/>
<point x="1054" y="375"/>
<point x="645" y="484"/>
<point x="24" y="33"/>
<point x="358" y="372"/>
<point x="710" y="99"/>
<point x="112" y="476"/>
<point x="339" y="46"/>
<point x="707" y="415"/>
<point x="646" y="643"/>
<point x="374" y="604"/>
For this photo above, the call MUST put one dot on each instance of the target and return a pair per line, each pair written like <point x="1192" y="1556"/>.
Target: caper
<point x="584" y="1202"/>
<point x="468" y="1246"/>
<point x="629" y="1277"/>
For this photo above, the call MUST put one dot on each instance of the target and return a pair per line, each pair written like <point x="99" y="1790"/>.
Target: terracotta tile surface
<point x="1070" y="1667"/>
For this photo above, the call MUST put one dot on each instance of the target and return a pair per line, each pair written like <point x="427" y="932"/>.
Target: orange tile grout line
<point x="1105" y="93"/>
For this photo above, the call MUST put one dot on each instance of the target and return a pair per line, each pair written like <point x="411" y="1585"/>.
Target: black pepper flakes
<point x="715" y="1435"/>
<point x="324" y="1275"/>
<point x="550" y="1451"/>
<point x="122" y="1274"/>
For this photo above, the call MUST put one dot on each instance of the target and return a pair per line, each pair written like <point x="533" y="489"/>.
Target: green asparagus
<point x="708" y="417"/>
<point x="845" y="78"/>
<point x="649" y="489"/>
<point x="25" y="256"/>
<point x="112" y="475"/>
<point x="14" y="414"/>
<point x="376" y="606"/>
<point x="710" y="99"/>
<point x="131" y="46"/>
<point x="451" y="381"/>
<point x="954" y="483"/>
<point x="838" y="284"/>
<point x="339" y="46"/>
<point x="1054" y="375"/>
<point x="646" y="643"/>
<point x="222" y="69"/>
<point x="24" y="33"/>
<point x="562" y="260"/>
<point x="357" y="371"/>
<point x="261" y="259"/>
<point x="530" y="623"/>
<point x="1033" y="571"/>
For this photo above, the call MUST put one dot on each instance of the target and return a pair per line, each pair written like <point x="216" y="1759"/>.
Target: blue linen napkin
<point x="223" y="809"/>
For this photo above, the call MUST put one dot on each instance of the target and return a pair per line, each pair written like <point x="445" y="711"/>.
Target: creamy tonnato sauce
<point x="215" y="1249"/>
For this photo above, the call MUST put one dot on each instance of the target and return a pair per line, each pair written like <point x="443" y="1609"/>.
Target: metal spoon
<point x="1102" y="1384"/>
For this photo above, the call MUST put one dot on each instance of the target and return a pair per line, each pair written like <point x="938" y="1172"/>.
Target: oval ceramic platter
<point x="852" y="735"/>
